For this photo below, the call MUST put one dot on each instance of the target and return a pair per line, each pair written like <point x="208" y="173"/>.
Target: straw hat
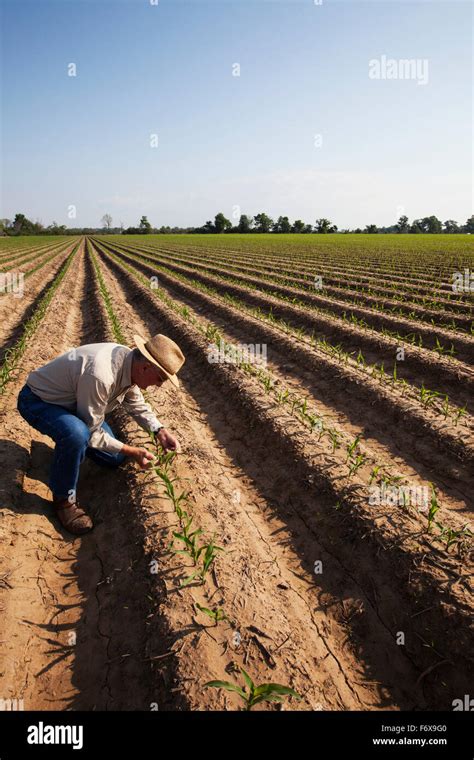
<point x="164" y="353"/>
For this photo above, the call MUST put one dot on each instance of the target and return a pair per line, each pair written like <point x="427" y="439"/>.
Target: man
<point x="68" y="398"/>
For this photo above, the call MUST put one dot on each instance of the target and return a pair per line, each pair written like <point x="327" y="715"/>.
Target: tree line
<point x="261" y="223"/>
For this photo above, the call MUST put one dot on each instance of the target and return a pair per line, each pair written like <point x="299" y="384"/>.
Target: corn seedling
<point x="351" y="447"/>
<point x="428" y="397"/>
<point x="282" y="396"/>
<point x="217" y="614"/>
<point x="460" y="412"/>
<point x="267" y="383"/>
<point x="356" y="463"/>
<point x="252" y="694"/>
<point x="334" y="437"/>
<point x="374" y="473"/>
<point x="451" y="537"/>
<point x="209" y="554"/>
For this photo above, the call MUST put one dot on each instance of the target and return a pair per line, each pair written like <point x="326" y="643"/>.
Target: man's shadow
<point x="15" y="466"/>
<point x="24" y="480"/>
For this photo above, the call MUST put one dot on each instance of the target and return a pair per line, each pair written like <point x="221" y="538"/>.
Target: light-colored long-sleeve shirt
<point x="91" y="381"/>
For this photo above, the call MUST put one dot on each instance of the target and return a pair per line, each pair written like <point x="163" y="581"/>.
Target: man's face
<point x="148" y="374"/>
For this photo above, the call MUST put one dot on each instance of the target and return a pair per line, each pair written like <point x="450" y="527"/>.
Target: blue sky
<point x="234" y="143"/>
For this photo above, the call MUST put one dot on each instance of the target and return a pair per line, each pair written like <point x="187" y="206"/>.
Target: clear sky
<point x="229" y="143"/>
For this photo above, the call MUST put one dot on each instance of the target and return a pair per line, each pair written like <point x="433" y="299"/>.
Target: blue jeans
<point x="71" y="436"/>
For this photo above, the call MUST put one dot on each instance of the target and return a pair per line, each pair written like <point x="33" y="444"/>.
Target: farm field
<point x="335" y="478"/>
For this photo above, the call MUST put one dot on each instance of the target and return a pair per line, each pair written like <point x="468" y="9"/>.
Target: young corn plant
<point x="357" y="462"/>
<point x="216" y="614"/>
<point x="460" y="412"/>
<point x="252" y="694"/>
<point x="167" y="482"/>
<point x="428" y="397"/>
<point x="267" y="383"/>
<point x="189" y="539"/>
<point x="209" y="554"/>
<point x="351" y="447"/>
<point x="212" y="332"/>
<point x="374" y="474"/>
<point x="303" y="407"/>
<point x="315" y="422"/>
<point x="334" y="437"/>
<point x="282" y="396"/>
<point x="446" y="407"/>
<point x="451" y="537"/>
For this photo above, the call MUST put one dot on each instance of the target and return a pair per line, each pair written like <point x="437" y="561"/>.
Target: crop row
<point x="189" y="539"/>
<point x="13" y="354"/>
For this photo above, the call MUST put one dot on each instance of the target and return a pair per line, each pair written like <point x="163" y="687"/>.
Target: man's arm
<point x="136" y="406"/>
<point x="92" y="398"/>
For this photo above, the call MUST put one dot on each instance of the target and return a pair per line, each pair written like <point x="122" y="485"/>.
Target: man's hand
<point x="168" y="441"/>
<point x="142" y="457"/>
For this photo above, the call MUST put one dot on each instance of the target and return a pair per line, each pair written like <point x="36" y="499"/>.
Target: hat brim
<point x="140" y="344"/>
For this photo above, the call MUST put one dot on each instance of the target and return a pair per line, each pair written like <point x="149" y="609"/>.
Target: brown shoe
<point x="72" y="516"/>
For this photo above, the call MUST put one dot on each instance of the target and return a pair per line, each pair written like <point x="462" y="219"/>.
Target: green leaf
<point x="248" y="680"/>
<point x="270" y="689"/>
<point x="206" y="611"/>
<point x="188" y="580"/>
<point x="228" y="686"/>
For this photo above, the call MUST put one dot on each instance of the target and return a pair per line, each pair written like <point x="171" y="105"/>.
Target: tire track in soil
<point x="64" y="628"/>
<point x="362" y="645"/>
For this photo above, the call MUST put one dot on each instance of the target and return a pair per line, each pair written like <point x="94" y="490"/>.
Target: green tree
<point x="22" y="225"/>
<point x="451" y="227"/>
<point x="323" y="226"/>
<point x="263" y="223"/>
<point x="431" y="224"/>
<point x="402" y="224"/>
<point x="144" y="226"/>
<point x="416" y="226"/>
<point x="245" y="223"/>
<point x="469" y="226"/>
<point x="298" y="226"/>
<point x="282" y="224"/>
<point x="221" y="224"/>
<point x="371" y="229"/>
